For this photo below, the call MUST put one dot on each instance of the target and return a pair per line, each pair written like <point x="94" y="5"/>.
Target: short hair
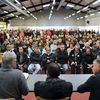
<point x="97" y="61"/>
<point x="53" y="70"/>
<point x="7" y="58"/>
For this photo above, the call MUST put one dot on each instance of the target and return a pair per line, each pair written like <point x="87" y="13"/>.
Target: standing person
<point x="75" y="59"/>
<point x="12" y="81"/>
<point x="53" y="88"/>
<point x="92" y="85"/>
<point x="35" y="59"/>
<point x="87" y="61"/>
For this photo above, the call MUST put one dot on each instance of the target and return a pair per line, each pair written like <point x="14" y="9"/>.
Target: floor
<point x="75" y="96"/>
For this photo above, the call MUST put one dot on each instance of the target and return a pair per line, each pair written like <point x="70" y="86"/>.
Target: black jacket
<point x="53" y="89"/>
<point x="92" y="85"/>
<point x="62" y="57"/>
<point x="25" y="59"/>
<point x="46" y="57"/>
<point x="75" y="58"/>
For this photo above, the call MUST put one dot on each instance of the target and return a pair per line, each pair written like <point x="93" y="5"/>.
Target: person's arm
<point x="23" y="85"/>
<point x="87" y="86"/>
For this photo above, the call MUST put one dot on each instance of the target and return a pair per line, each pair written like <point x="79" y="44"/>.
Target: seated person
<point x="12" y="81"/>
<point x="61" y="56"/>
<point x="53" y="88"/>
<point x="92" y="85"/>
<point x="22" y="60"/>
<point x="35" y="59"/>
<point x="47" y="58"/>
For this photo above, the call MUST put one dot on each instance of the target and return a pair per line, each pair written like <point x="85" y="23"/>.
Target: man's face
<point x="95" y="67"/>
<point x="62" y="47"/>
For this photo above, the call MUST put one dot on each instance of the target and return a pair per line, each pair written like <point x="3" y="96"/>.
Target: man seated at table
<point x="92" y="85"/>
<point x="12" y="81"/>
<point x="53" y="88"/>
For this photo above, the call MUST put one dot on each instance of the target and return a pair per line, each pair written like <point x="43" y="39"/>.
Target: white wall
<point x="57" y="19"/>
<point x="94" y="20"/>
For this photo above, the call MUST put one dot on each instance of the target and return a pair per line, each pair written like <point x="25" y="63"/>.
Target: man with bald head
<point x="92" y="85"/>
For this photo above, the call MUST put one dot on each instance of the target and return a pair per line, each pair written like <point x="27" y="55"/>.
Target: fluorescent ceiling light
<point x="78" y="11"/>
<point x="52" y="7"/>
<point x="23" y="18"/>
<point x="54" y="1"/>
<point x="99" y="12"/>
<point x="28" y="11"/>
<point x="81" y="17"/>
<point x="16" y="16"/>
<point x="92" y="14"/>
<point x="70" y="5"/>
<point x="51" y="11"/>
<point x="31" y="14"/>
<point x="85" y="8"/>
<point x="12" y="14"/>
<point x="77" y="18"/>
<point x="73" y="14"/>
<point x="96" y="2"/>
<point x="17" y="2"/>
<point x="66" y="17"/>
<point x="5" y="12"/>
<point x="47" y="5"/>
<point x="34" y="17"/>
<point x="20" y="17"/>
<point x="69" y="16"/>
<point x="24" y="8"/>
<point x="86" y="16"/>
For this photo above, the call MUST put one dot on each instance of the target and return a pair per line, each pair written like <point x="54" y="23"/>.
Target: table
<point x="76" y="80"/>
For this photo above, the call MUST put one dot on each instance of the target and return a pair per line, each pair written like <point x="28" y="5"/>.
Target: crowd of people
<point x="72" y="50"/>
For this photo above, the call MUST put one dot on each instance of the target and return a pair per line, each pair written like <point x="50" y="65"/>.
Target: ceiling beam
<point x="32" y="4"/>
<point x="60" y="4"/>
<point x="1" y="15"/>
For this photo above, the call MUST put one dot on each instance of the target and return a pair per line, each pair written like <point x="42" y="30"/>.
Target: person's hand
<point x="72" y="63"/>
<point x="90" y="66"/>
<point x="48" y="61"/>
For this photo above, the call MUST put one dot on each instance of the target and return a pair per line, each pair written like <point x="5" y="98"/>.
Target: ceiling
<point x="8" y="12"/>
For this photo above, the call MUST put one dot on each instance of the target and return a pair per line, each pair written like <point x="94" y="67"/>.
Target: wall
<point x="94" y="20"/>
<point x="57" y="19"/>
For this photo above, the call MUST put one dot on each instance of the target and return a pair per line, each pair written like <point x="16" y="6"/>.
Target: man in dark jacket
<point x="47" y="58"/>
<point x="53" y="88"/>
<point x="75" y="59"/>
<point x="62" y="57"/>
<point x="92" y="85"/>
<point x="87" y="61"/>
<point x="35" y="59"/>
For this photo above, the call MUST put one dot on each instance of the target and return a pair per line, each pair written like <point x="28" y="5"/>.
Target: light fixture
<point x="31" y="14"/>
<point x="70" y="5"/>
<point x="20" y="17"/>
<point x="51" y="11"/>
<point x="47" y="5"/>
<point x="5" y="11"/>
<point x="98" y="12"/>
<point x="17" y="2"/>
<point x="81" y="17"/>
<point x="16" y="16"/>
<point x="96" y="2"/>
<point x="77" y="18"/>
<point x="78" y="11"/>
<point x="23" y="18"/>
<point x="52" y="8"/>
<point x="73" y="14"/>
<point x="86" y="16"/>
<point x="34" y="17"/>
<point x="54" y="1"/>
<point x="12" y="14"/>
<point x="92" y="14"/>
<point x="69" y="16"/>
<point x="24" y="8"/>
<point x="28" y="11"/>
<point x="85" y="8"/>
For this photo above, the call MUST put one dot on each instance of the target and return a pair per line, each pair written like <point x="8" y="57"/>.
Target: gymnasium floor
<point x="75" y="96"/>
